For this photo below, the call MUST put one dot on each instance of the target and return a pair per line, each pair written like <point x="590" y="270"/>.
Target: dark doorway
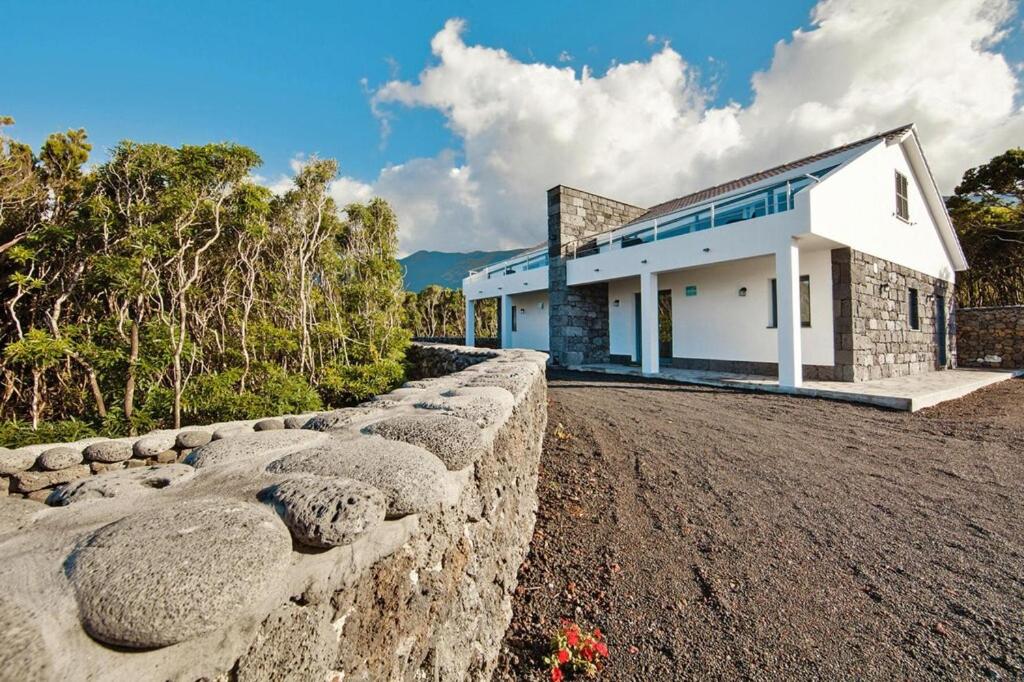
<point x="940" y="328"/>
<point x="665" y="324"/>
<point x="638" y="327"/>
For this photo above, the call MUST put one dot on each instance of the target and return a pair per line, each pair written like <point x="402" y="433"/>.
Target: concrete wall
<point x="531" y="321"/>
<point x="719" y="324"/>
<point x="990" y="337"/>
<point x="856" y="206"/>
<point x="578" y="317"/>
<point x="380" y="542"/>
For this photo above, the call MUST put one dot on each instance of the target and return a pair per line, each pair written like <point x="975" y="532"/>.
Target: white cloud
<point x="564" y="56"/>
<point x="645" y="131"/>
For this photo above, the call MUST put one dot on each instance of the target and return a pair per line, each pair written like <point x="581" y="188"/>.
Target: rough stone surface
<point x="206" y="565"/>
<point x="19" y="459"/>
<point x="456" y="442"/>
<point x="990" y="337"/>
<point x="251" y="445"/>
<point x="268" y="425"/>
<point x="172" y="573"/>
<point x="578" y="316"/>
<point x="153" y="444"/>
<point x="59" y="458"/>
<point x="338" y="419"/>
<point x="108" y="451"/>
<point x="193" y="439"/>
<point x="483" y="406"/>
<point x="412" y="479"/>
<point x="133" y="481"/>
<point x="873" y="336"/>
<point x="295" y="422"/>
<point x="324" y="511"/>
<point x="230" y="431"/>
<point x="30" y="481"/>
<point x="23" y="653"/>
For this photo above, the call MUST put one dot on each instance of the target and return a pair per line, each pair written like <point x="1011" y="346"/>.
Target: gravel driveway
<point x="718" y="534"/>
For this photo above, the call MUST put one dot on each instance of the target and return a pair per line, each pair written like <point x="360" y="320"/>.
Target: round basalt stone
<point x="23" y="652"/>
<point x="268" y="425"/>
<point x="338" y="419"/>
<point x="324" y="511"/>
<point x="59" y="458"/>
<point x="153" y="444"/>
<point x="20" y="459"/>
<point x="412" y="479"/>
<point x="192" y="439"/>
<point x="230" y="431"/>
<point x="108" y="451"/>
<point x="295" y="422"/>
<point x="121" y="484"/>
<point x="172" y="573"/>
<point x="251" y="445"/>
<point x="456" y="442"/>
<point x="484" y="406"/>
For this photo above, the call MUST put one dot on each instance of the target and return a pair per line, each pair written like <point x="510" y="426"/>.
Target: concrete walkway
<point x="910" y="393"/>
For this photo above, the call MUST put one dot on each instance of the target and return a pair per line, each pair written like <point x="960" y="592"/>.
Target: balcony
<point x="775" y="198"/>
<point x="533" y="260"/>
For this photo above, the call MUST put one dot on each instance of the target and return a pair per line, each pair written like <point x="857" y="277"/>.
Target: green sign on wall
<point x="691" y="290"/>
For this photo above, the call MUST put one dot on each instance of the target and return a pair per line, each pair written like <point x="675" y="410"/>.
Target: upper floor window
<point x="902" y="203"/>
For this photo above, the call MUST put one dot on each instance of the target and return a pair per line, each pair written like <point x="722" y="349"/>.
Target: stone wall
<point x="578" y="319"/>
<point x="990" y="337"/>
<point x="873" y="336"/>
<point x="478" y="342"/>
<point x="379" y="542"/>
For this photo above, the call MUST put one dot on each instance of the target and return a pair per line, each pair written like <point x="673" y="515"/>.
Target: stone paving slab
<point x="909" y="393"/>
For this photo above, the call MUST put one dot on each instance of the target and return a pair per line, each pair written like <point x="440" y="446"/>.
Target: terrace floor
<point x="910" y="393"/>
<point x="714" y="533"/>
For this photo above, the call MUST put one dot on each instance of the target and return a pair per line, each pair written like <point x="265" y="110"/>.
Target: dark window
<point x="805" y="302"/>
<point x="902" y="204"/>
<point x="514" y="318"/>
<point x="915" y="319"/>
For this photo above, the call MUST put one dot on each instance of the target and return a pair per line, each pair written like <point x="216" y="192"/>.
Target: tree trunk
<point x="133" y="362"/>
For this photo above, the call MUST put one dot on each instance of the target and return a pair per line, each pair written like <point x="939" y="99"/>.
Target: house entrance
<point x="664" y="325"/>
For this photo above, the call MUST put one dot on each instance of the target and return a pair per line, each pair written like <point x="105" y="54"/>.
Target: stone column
<point x="649" y="323"/>
<point x="787" y="280"/>
<point x="506" y="321"/>
<point x="470" y="322"/>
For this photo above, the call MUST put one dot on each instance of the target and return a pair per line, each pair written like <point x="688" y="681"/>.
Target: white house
<point x="838" y="266"/>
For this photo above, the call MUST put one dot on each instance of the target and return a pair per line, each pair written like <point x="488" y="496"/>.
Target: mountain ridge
<point x="445" y="268"/>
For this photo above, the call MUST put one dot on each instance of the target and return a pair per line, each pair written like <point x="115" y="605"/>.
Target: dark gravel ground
<point x="718" y="534"/>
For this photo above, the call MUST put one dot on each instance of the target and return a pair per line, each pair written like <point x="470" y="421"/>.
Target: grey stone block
<point x="59" y="458"/>
<point x="252" y="445"/>
<point x="268" y="425"/>
<point x="323" y="511"/>
<point x="108" y="451"/>
<point x="168" y="574"/>
<point x="456" y="442"/>
<point x="412" y="479"/>
<point x="192" y="439"/>
<point x="135" y="481"/>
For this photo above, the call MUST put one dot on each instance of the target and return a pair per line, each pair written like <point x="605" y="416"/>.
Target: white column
<point x="787" y="287"/>
<point x="506" y="321"/>
<point x="649" y="323"/>
<point x="470" y="322"/>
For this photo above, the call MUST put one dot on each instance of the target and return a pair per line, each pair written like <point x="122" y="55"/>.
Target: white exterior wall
<point x="856" y="206"/>
<point x="531" y="321"/>
<point x="719" y="324"/>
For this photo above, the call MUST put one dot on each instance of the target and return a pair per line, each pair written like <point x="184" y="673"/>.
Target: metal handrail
<point x="508" y="264"/>
<point x="594" y="243"/>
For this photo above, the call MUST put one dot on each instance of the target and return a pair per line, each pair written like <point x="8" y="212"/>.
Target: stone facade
<point x="578" y="318"/>
<point x="990" y="337"/>
<point x="873" y="334"/>
<point x="380" y="542"/>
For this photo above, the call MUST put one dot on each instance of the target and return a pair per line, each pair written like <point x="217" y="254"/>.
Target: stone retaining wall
<point x="990" y="337"/>
<point x="379" y="542"/>
<point x="478" y="342"/>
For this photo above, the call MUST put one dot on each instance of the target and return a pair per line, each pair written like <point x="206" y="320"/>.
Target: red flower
<point x="573" y="637"/>
<point x="556" y="674"/>
<point x="563" y="655"/>
<point x="587" y="653"/>
<point x="602" y="649"/>
<point x="597" y="634"/>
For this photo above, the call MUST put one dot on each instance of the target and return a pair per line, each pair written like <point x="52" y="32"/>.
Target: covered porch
<point x="908" y="393"/>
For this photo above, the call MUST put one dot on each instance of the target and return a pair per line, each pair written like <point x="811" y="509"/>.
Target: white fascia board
<point x="933" y="197"/>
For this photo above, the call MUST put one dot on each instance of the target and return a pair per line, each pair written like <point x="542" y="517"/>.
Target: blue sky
<point x="496" y="120"/>
<point x="286" y="78"/>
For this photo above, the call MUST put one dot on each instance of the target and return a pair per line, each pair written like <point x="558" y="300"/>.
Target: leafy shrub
<point x="14" y="433"/>
<point x="349" y="384"/>
<point x="269" y="390"/>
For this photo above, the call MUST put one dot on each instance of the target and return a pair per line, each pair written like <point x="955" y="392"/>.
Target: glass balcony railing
<point x="522" y="263"/>
<point x="776" y="198"/>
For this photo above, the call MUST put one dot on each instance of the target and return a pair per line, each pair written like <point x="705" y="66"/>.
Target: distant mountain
<point x="424" y="268"/>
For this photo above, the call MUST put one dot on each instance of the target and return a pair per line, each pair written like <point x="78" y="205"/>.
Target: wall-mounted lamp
<point x="615" y="303"/>
<point x="707" y="250"/>
<point x="522" y="311"/>
<point x="743" y="291"/>
<point x="597" y="269"/>
<point x="644" y="261"/>
<point x="541" y="305"/>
